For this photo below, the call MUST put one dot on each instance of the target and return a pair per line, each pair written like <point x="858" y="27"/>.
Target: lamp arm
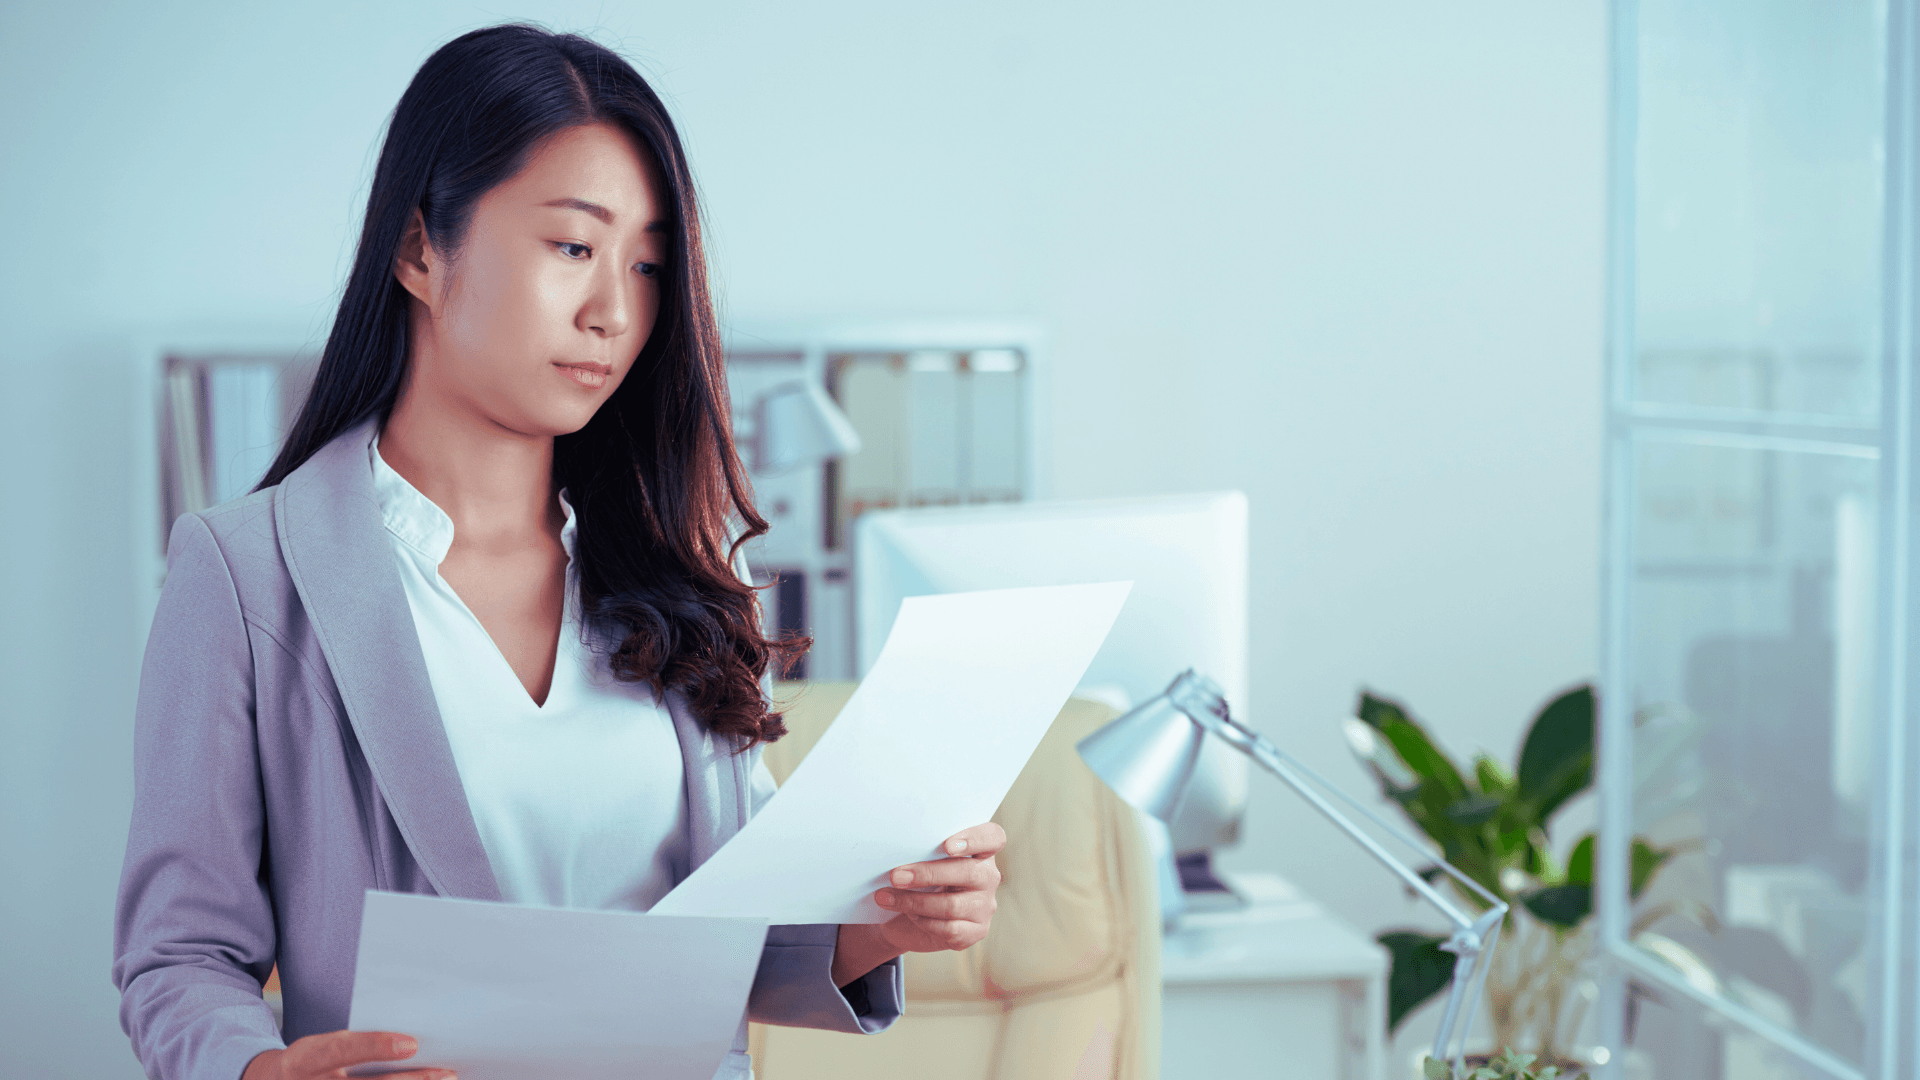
<point x="1482" y="963"/>
<point x="1473" y="939"/>
<point x="1295" y="774"/>
<point x="1371" y="814"/>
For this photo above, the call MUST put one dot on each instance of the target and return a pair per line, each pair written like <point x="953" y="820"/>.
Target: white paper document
<point x="506" y="992"/>
<point x="963" y="691"/>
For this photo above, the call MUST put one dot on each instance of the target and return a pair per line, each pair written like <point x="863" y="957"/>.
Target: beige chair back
<point x="1067" y="984"/>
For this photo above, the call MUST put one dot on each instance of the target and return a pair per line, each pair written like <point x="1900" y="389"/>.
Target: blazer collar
<point x="336" y="550"/>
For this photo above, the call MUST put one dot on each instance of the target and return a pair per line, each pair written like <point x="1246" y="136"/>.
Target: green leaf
<point x="1531" y="849"/>
<point x="1420" y="969"/>
<point x="1474" y="810"/>
<point x="1378" y="712"/>
<point x="1580" y="863"/>
<point x="1410" y="741"/>
<point x="1493" y="779"/>
<point x="1647" y="860"/>
<point x="1556" y="760"/>
<point x="1436" y="1070"/>
<point x="1561" y="905"/>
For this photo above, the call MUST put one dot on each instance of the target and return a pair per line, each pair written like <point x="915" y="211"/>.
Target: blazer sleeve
<point x="794" y="985"/>
<point x="193" y="925"/>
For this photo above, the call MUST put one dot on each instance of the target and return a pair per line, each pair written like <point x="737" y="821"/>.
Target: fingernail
<point x="903" y="877"/>
<point x="885" y="899"/>
<point x="957" y="846"/>
<point x="404" y="1048"/>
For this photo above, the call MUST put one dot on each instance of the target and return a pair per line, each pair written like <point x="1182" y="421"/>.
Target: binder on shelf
<point x="222" y="420"/>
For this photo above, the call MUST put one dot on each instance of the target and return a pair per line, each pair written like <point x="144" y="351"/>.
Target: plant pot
<point x="1634" y="1067"/>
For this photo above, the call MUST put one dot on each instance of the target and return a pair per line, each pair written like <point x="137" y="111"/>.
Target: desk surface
<point x="1280" y="936"/>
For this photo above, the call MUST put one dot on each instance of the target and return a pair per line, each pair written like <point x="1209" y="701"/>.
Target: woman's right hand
<point x="327" y="1057"/>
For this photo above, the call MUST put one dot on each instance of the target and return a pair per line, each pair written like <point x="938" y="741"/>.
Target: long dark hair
<point x="657" y="487"/>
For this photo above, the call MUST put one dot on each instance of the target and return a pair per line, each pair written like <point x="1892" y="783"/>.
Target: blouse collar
<point x="418" y="521"/>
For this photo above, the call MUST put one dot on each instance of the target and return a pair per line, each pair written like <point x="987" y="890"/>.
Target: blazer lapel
<point x="342" y="565"/>
<point x="718" y="786"/>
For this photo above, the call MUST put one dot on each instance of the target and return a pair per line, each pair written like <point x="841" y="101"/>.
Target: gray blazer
<point x="288" y="756"/>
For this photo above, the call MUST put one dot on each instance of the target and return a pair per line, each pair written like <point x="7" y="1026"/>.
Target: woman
<point x="479" y="631"/>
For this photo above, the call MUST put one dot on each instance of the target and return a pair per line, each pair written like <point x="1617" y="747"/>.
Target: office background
<point x="1344" y="257"/>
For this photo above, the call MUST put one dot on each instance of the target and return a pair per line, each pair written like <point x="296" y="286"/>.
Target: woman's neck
<point x="495" y="483"/>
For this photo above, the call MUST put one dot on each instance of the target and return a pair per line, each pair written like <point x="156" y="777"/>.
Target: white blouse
<point x="581" y="802"/>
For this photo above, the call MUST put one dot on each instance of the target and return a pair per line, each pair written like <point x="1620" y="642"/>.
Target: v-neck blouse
<point x="580" y="801"/>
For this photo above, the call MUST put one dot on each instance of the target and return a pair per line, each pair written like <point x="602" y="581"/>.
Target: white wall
<point x="1346" y="257"/>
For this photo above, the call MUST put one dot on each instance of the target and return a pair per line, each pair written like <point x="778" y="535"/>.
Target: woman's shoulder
<point x="243" y="528"/>
<point x="246" y="537"/>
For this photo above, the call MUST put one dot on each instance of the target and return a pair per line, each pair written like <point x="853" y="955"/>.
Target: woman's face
<point x="554" y="291"/>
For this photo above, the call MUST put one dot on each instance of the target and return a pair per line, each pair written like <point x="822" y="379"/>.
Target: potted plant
<point x="1493" y="823"/>
<point x="1508" y="1066"/>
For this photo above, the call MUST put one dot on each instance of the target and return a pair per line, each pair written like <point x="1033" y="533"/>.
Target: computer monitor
<point x="1185" y="554"/>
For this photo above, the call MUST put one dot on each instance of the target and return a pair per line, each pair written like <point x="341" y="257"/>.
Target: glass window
<point x="1753" y="570"/>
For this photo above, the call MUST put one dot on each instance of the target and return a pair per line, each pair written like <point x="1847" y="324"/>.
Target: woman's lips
<point x="591" y="376"/>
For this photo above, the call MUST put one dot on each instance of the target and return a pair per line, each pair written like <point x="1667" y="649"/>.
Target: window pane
<point x="1758" y="204"/>
<point x="1755" y="743"/>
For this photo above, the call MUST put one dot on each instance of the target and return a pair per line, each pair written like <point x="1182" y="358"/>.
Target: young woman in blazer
<point x="478" y="632"/>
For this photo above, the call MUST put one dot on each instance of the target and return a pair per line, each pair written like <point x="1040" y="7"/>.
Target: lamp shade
<point x="1147" y="756"/>
<point x="798" y="425"/>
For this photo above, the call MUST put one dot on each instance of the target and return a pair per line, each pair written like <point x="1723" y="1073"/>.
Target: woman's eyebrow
<point x="598" y="211"/>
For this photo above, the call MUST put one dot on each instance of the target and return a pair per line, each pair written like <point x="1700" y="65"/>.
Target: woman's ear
<point x="414" y="263"/>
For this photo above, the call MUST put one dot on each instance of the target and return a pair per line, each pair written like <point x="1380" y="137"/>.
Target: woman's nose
<point x="610" y="310"/>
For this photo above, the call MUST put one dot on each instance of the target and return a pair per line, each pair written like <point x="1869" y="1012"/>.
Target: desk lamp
<point x="795" y="424"/>
<point x="1148" y="755"/>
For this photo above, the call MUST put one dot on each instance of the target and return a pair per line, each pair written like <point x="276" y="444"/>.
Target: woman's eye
<point x="648" y="269"/>
<point x="567" y="246"/>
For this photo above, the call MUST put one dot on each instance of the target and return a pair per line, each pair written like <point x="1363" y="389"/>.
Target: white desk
<point x="1278" y="988"/>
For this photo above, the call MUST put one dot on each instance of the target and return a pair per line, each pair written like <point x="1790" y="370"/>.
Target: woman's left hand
<point x="953" y="914"/>
<point x="955" y="911"/>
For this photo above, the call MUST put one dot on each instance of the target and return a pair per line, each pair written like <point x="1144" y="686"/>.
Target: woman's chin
<point x="553" y="418"/>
